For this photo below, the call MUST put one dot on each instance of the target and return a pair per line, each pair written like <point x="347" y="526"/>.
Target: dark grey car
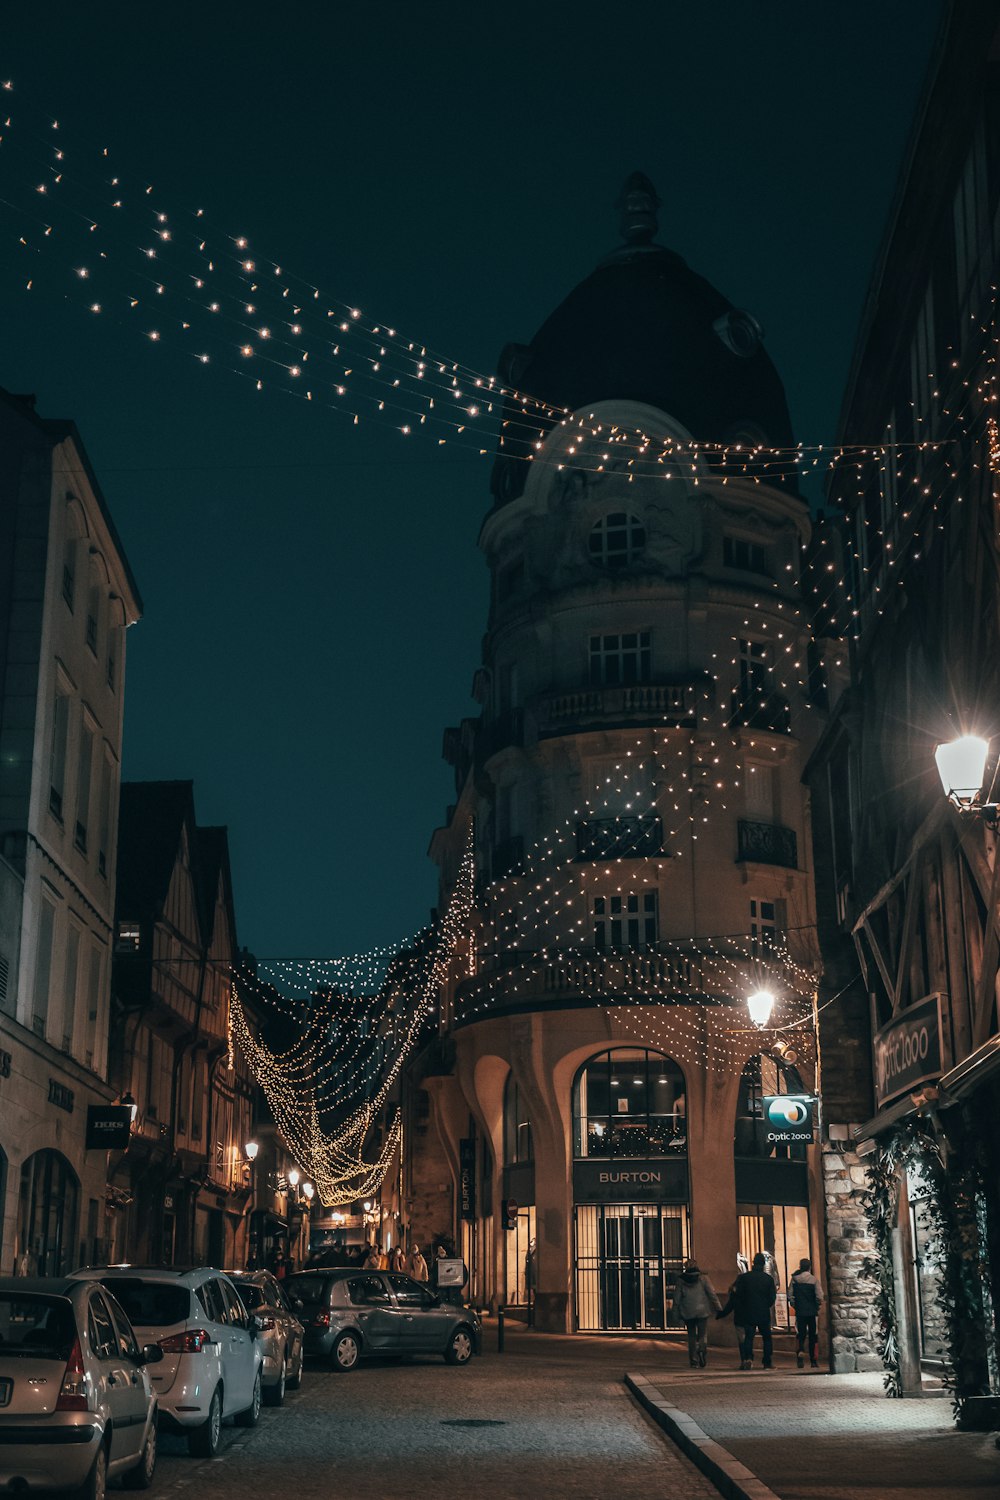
<point x="351" y="1315"/>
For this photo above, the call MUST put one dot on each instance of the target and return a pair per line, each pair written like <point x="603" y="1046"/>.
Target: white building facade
<point x="633" y="789"/>
<point x="66" y="598"/>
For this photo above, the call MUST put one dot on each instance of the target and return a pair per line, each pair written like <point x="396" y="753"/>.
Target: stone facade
<point x="854" y="1332"/>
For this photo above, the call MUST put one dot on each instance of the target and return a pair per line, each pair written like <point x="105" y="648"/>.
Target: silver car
<point x="352" y="1315"/>
<point x="280" y="1336"/>
<point x="76" y="1404"/>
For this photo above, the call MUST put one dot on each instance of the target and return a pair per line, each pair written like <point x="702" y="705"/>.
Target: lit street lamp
<point x="293" y="1176"/>
<point x="760" y="1006"/>
<point x="250" y="1151"/>
<point x="962" y="766"/>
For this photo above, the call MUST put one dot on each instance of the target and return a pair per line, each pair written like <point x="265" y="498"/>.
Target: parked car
<point x="280" y="1333"/>
<point x="351" y="1315"/>
<point x="77" y="1406"/>
<point x="212" y="1358"/>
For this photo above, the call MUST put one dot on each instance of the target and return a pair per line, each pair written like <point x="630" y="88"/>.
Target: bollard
<point x="500" y="1329"/>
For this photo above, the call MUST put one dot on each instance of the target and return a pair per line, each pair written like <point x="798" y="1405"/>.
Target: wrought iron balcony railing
<point x="625" y="837"/>
<point x="767" y="844"/>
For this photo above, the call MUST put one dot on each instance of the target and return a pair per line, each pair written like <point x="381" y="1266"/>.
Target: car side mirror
<point x="150" y="1354"/>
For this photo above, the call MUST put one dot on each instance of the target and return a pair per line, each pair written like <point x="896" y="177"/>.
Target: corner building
<point x="632" y="790"/>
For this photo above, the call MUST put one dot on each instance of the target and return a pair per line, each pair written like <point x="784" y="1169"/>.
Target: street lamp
<point x="293" y="1177"/>
<point x="962" y="766"/>
<point x="760" y="1006"/>
<point x="250" y="1151"/>
<point x="309" y="1190"/>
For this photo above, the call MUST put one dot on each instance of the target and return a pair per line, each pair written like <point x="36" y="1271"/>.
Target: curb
<point x="731" y="1478"/>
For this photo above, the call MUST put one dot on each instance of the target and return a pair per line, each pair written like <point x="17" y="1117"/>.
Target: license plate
<point x="6" y="1386"/>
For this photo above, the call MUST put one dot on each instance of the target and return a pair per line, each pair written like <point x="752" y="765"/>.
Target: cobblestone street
<point x="560" y="1424"/>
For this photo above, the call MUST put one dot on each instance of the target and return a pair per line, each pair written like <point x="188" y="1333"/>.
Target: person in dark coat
<point x="751" y="1297"/>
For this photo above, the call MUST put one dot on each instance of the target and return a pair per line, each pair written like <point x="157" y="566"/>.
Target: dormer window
<point x="617" y="540"/>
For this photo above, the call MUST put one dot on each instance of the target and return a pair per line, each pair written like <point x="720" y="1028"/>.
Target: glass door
<point x="628" y="1256"/>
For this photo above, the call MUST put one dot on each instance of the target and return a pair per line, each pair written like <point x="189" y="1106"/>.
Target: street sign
<point x="509" y="1208"/>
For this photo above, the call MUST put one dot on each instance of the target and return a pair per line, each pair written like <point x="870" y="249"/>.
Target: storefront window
<point x="48" y="1211"/>
<point x="628" y="1258"/>
<point x="517" y="1143"/>
<point x="629" y="1103"/>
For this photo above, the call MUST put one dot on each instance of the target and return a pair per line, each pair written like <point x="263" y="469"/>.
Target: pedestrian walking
<point x="806" y="1295"/>
<point x="399" y="1261"/>
<point x="418" y="1266"/>
<point x="695" y="1301"/>
<point x="373" y="1260"/>
<point x="751" y="1297"/>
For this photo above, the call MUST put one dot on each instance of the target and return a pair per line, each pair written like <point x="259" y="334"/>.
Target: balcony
<point x="767" y="844"/>
<point x="626" y="837"/>
<point x="673" y="705"/>
<point x="768" y="711"/>
<point x="583" y="978"/>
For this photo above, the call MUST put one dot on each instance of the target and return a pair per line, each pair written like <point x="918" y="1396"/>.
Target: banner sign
<point x="467" y="1177"/>
<point x="788" y="1118"/>
<point x="108" y="1126"/>
<point x="909" y="1050"/>
<point x="631" y="1180"/>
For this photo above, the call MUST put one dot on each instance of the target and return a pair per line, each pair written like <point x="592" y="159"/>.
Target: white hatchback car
<point x="211" y="1367"/>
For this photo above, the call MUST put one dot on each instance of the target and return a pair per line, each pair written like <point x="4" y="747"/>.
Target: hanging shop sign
<point x="109" y="1126"/>
<point x="467" y="1177"/>
<point x="908" y="1051"/>
<point x="788" y="1118"/>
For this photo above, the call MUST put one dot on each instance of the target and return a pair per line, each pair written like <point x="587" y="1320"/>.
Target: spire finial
<point x="638" y="203"/>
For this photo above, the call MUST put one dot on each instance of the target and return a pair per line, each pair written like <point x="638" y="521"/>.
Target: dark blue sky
<point x="314" y="597"/>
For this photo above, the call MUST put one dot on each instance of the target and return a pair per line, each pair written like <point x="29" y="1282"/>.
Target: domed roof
<point x="643" y="326"/>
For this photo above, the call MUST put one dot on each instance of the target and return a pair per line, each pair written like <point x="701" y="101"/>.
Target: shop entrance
<point x="628" y="1257"/>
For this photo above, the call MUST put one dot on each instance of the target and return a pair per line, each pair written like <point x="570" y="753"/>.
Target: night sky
<point x="314" y="598"/>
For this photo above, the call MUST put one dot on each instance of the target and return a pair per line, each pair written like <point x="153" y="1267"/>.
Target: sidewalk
<point x="808" y="1435"/>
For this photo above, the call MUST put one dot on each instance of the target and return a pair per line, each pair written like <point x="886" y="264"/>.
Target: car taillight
<point x="192" y="1341"/>
<point x="321" y="1320"/>
<point x="73" y="1391"/>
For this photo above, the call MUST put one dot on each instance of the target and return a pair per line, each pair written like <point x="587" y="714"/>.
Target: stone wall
<point x="853" y="1322"/>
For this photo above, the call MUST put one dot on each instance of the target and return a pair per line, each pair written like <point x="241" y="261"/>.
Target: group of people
<point x="411" y="1263"/>
<point x="751" y="1298"/>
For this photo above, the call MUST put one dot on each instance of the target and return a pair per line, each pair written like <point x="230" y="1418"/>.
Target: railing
<point x="767" y="844"/>
<point x="625" y="837"/>
<point x="671" y="703"/>
<point x="532" y="981"/>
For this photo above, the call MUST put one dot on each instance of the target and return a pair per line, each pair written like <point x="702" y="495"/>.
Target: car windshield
<point x="150" y="1304"/>
<point x="308" y="1289"/>
<point x="36" y="1326"/>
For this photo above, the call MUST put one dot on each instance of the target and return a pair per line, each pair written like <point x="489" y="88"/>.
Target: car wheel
<point x="274" y="1395"/>
<point x="295" y="1381"/>
<point x="141" y="1477"/>
<point x="460" y="1347"/>
<point x="203" y="1440"/>
<point x="249" y="1417"/>
<point x="346" y="1353"/>
<point x="95" y="1485"/>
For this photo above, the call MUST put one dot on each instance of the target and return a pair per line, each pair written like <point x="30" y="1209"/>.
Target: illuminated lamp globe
<point x="293" y="1177"/>
<point x="961" y="766"/>
<point x="308" y="1189"/>
<point x="760" y="1006"/>
<point x="250" y="1150"/>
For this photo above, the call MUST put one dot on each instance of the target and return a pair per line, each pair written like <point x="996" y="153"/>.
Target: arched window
<point x="518" y="1146"/>
<point x="629" y="1102"/>
<point x="48" y="1213"/>
<point x="764" y="1075"/>
<point x="617" y="540"/>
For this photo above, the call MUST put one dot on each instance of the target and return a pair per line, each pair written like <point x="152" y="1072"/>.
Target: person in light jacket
<point x="418" y="1266"/>
<point x="805" y="1294"/>
<point x="695" y="1301"/>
